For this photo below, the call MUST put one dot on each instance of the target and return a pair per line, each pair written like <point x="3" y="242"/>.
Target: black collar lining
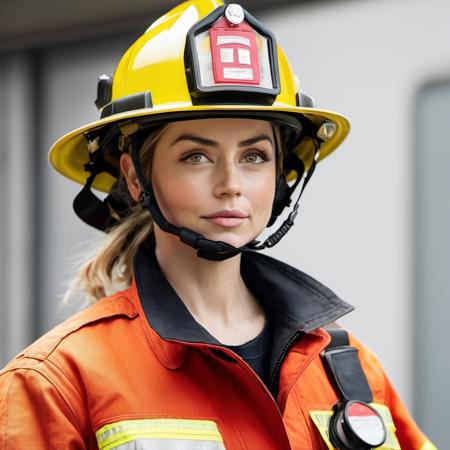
<point x="296" y="301"/>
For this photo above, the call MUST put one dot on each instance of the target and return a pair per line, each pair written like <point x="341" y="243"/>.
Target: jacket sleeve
<point x="407" y="431"/>
<point x="35" y="413"/>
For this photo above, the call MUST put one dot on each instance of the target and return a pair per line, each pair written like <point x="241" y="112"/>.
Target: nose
<point x="228" y="181"/>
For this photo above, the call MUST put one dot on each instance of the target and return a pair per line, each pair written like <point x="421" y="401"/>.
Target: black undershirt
<point x="256" y="352"/>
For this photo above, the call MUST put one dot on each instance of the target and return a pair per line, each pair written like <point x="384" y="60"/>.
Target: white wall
<point x="354" y="233"/>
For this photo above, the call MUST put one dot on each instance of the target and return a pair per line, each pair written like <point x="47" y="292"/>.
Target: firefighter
<point x="194" y="339"/>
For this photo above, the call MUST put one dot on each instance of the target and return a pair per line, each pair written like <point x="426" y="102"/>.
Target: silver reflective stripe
<point x="160" y="434"/>
<point x="169" y="444"/>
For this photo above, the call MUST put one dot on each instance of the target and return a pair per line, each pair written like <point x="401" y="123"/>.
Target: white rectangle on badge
<point x="244" y="56"/>
<point x="222" y="40"/>
<point x="226" y="55"/>
<point x="235" y="73"/>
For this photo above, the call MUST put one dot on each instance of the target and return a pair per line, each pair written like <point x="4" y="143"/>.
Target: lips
<point x="227" y="218"/>
<point x="228" y="213"/>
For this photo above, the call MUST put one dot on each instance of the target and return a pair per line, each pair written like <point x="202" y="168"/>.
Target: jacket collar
<point x="295" y="301"/>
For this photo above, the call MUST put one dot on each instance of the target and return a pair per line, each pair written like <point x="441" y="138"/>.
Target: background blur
<point x="374" y="222"/>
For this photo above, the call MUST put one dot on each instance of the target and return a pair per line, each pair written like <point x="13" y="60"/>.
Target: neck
<point x="213" y="291"/>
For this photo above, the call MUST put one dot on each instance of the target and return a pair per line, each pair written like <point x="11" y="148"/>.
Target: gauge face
<point x="365" y="423"/>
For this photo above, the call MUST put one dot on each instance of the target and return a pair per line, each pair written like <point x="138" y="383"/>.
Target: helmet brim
<point x="69" y="154"/>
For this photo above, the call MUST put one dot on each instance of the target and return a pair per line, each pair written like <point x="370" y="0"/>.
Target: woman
<point x="209" y="344"/>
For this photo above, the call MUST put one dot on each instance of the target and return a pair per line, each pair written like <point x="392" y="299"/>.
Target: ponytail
<point x="110" y="269"/>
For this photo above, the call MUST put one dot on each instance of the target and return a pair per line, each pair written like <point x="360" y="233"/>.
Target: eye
<point x="195" y="158"/>
<point x="256" y="157"/>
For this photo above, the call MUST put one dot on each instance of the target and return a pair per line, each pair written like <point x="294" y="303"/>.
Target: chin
<point x="232" y="239"/>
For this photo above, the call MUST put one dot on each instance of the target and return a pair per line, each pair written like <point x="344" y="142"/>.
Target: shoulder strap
<point x="344" y="368"/>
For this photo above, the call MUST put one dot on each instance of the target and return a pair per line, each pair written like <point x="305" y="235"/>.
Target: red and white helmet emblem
<point x="234" y="49"/>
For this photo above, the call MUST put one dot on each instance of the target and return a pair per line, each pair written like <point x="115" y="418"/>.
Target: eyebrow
<point x="211" y="143"/>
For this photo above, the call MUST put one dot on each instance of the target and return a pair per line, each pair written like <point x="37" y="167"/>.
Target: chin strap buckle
<point x="282" y="231"/>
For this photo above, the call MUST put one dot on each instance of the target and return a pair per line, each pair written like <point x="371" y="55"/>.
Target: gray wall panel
<point x="69" y="77"/>
<point x="16" y="222"/>
<point x="432" y="258"/>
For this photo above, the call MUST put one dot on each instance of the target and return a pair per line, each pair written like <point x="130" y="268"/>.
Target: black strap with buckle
<point x="344" y="369"/>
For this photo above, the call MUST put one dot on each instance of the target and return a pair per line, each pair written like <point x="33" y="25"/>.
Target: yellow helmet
<point x="201" y="58"/>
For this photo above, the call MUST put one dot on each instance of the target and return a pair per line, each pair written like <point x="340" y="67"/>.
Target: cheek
<point x="178" y="196"/>
<point x="263" y="194"/>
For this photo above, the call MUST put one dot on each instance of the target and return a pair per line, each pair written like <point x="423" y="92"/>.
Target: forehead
<point x="218" y="128"/>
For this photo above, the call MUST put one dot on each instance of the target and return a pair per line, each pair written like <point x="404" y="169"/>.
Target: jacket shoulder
<point x="407" y="431"/>
<point x="117" y="305"/>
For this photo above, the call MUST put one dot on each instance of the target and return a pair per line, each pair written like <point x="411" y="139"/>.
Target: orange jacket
<point x="106" y="379"/>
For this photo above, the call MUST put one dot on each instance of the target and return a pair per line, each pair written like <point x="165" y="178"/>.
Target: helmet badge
<point x="231" y="57"/>
<point x="234" y="50"/>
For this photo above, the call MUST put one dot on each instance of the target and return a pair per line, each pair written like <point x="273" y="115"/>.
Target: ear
<point x="129" y="172"/>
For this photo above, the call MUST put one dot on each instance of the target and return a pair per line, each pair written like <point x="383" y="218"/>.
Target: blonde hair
<point x="110" y="269"/>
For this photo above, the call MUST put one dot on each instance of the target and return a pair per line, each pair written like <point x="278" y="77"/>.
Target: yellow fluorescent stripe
<point x="111" y="435"/>
<point x="385" y="414"/>
<point x="184" y="423"/>
<point x="428" y="446"/>
<point x="134" y="437"/>
<point x="162" y="434"/>
<point x="321" y="419"/>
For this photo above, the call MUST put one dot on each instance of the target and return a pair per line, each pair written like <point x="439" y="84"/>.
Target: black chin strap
<point x="207" y="248"/>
